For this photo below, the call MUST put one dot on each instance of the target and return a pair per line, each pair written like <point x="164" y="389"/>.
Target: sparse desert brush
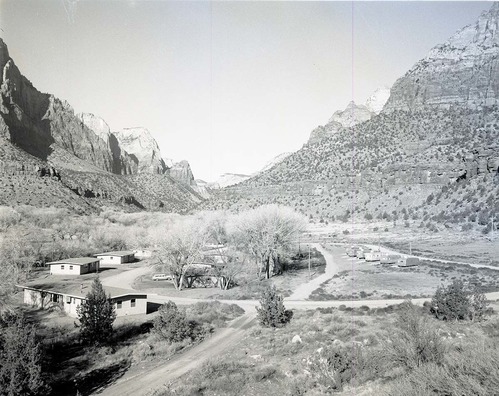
<point x="214" y="313"/>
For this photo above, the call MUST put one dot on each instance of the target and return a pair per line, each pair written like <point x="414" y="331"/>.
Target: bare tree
<point x="180" y="248"/>
<point x="267" y="234"/>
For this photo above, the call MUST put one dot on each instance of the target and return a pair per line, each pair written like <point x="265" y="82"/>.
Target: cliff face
<point x="181" y="171"/>
<point x="463" y="71"/>
<point x="123" y="163"/>
<point x="141" y="146"/>
<point x="40" y="123"/>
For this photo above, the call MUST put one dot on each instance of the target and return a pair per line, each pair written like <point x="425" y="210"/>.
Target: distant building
<point x="119" y="257"/>
<point x="142" y="253"/>
<point x="74" y="266"/>
<point x="56" y="294"/>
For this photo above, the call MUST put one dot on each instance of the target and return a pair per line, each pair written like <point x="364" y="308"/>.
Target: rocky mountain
<point x="439" y="129"/>
<point x="377" y="100"/>
<point x="49" y="156"/>
<point x="462" y="71"/>
<point x="123" y="163"/>
<point x="228" y="179"/>
<point x="182" y="172"/>
<point x="139" y="143"/>
<point x="352" y="115"/>
<point x="276" y="160"/>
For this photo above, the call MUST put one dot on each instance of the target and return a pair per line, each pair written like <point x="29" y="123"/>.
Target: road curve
<point x="145" y="383"/>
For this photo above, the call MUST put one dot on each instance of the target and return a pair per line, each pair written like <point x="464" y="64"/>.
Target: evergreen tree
<point x="171" y="323"/>
<point x="96" y="315"/>
<point x="454" y="302"/>
<point x="20" y="358"/>
<point x="271" y="312"/>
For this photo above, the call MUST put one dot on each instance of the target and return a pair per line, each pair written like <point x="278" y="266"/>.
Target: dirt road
<point x="304" y="290"/>
<point x="145" y="383"/>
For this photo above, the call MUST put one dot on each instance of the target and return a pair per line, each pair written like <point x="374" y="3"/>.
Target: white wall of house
<point x="115" y="259"/>
<point x="130" y="304"/>
<point x="73" y="269"/>
<point x="42" y="299"/>
<point x="126" y="308"/>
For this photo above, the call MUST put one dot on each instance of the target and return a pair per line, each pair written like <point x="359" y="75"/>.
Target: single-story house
<point x="142" y="253"/>
<point x="119" y="257"/>
<point x="74" y="266"/>
<point x="46" y="294"/>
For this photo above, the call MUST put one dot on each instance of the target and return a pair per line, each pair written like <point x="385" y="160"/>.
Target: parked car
<point x="157" y="277"/>
<point x="361" y="254"/>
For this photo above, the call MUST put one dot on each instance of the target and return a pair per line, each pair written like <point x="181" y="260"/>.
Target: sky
<point x="225" y="85"/>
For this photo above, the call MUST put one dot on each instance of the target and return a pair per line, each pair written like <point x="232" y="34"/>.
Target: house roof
<point x="76" y="288"/>
<point x="117" y="253"/>
<point x="75" y="261"/>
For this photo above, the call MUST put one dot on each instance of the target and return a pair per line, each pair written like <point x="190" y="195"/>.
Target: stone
<point x="296" y="339"/>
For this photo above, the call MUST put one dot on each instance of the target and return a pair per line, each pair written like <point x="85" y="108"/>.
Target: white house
<point x="119" y="257"/>
<point x="74" y="266"/>
<point x="68" y="297"/>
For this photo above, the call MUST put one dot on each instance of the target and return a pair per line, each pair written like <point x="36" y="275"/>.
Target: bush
<point x="414" y="341"/>
<point x="214" y="313"/>
<point x="456" y="303"/>
<point x="271" y="312"/>
<point x="20" y="358"/>
<point x="171" y="323"/>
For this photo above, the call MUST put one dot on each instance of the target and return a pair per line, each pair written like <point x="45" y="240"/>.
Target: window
<point x="119" y="304"/>
<point x="132" y="302"/>
<point x="110" y="258"/>
<point x="62" y="267"/>
<point x="55" y="297"/>
<point x="71" y="268"/>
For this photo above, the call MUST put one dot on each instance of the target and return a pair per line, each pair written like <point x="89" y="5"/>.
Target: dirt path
<point x="144" y="383"/>
<point x="304" y="290"/>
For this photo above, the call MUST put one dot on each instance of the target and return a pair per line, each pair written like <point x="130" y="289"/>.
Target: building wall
<point x="68" y="304"/>
<point x="115" y="259"/>
<point x="72" y="269"/>
<point x="41" y="299"/>
<point x="126" y="308"/>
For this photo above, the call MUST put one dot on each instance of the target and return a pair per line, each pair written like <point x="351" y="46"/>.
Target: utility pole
<point x="410" y="248"/>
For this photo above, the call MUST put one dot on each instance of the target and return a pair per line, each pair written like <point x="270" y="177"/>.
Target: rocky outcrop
<point x="181" y="171"/>
<point x="352" y="115"/>
<point x="139" y="143"/>
<point x="463" y="71"/>
<point x="123" y="163"/>
<point x="377" y="100"/>
<point x="37" y="122"/>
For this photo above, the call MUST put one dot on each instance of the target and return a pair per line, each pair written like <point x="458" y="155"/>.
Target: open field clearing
<point x="446" y="244"/>
<point x="358" y="279"/>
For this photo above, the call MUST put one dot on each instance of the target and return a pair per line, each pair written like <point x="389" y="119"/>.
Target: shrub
<point x="271" y="312"/>
<point x="454" y="302"/>
<point x="20" y="358"/>
<point x="414" y="341"/>
<point x="171" y="323"/>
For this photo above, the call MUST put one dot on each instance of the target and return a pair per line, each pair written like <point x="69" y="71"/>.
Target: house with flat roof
<point x="52" y="293"/>
<point x="118" y="257"/>
<point x="74" y="266"/>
